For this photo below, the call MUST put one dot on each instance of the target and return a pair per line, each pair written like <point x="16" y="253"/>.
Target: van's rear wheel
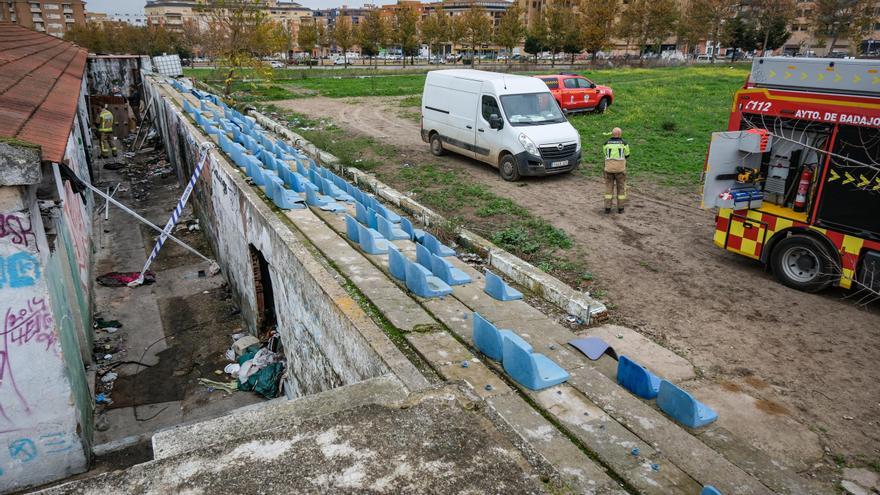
<point x="437" y="145"/>
<point x="801" y="263"/>
<point x="508" y="169"/>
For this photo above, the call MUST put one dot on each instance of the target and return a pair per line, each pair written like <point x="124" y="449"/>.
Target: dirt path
<point x="818" y="353"/>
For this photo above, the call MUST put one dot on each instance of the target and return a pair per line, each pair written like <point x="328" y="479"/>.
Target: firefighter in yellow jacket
<point x="616" y="152"/>
<point x="105" y="131"/>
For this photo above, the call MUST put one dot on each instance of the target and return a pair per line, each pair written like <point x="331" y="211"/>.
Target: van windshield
<point x="531" y="109"/>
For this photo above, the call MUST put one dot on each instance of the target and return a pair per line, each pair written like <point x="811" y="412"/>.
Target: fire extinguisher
<point x="800" y="201"/>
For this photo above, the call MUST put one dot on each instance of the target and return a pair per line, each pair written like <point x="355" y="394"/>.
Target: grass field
<point x="667" y="114"/>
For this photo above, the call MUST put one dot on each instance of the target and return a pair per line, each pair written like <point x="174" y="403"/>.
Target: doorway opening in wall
<point x="264" y="295"/>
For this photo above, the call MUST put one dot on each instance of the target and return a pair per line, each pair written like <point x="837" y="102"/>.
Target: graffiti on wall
<point x="17" y="228"/>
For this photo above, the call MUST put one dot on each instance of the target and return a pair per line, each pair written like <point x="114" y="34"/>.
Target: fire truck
<point x="796" y="177"/>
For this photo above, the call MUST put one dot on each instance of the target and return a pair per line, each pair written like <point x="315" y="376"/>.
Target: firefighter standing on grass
<point x="616" y="152"/>
<point x="105" y="131"/>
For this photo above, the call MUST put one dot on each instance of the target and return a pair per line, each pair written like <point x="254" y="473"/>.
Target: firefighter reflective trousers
<point x="615" y="181"/>
<point x="107" y="143"/>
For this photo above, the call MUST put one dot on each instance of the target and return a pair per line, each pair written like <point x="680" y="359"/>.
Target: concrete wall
<point x="323" y="345"/>
<point x="107" y="72"/>
<point x="45" y="331"/>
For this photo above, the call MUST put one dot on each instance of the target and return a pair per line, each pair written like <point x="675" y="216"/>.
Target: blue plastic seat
<point x="488" y="338"/>
<point x="334" y="192"/>
<point x="396" y="263"/>
<point x="371" y="241"/>
<point x="389" y="230"/>
<point x="351" y="228"/>
<point x="285" y="198"/>
<point x="682" y="407"/>
<point x="444" y="270"/>
<point x="499" y="289"/>
<point x="424" y="285"/>
<point x="415" y="234"/>
<point x="530" y="369"/>
<point x="322" y="202"/>
<point x="301" y="168"/>
<point x="436" y="246"/>
<point x="388" y="214"/>
<point x="423" y="257"/>
<point x="362" y="213"/>
<point x="637" y="379"/>
<point x="710" y="490"/>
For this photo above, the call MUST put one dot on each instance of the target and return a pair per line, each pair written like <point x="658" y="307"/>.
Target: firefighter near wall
<point x="796" y="179"/>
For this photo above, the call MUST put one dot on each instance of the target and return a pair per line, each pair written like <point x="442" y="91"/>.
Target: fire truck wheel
<point x="801" y="263"/>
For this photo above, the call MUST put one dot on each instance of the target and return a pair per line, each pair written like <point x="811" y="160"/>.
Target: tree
<point x="840" y="19"/>
<point x="662" y="21"/>
<point x="307" y="38"/>
<point x="711" y="16"/>
<point x="457" y="32"/>
<point x="559" y="27"/>
<point x="343" y="35"/>
<point x="477" y="26"/>
<point x="740" y="34"/>
<point x="405" y="31"/>
<point x="773" y="18"/>
<point x="372" y="33"/>
<point x="633" y="24"/>
<point x="435" y="29"/>
<point x="511" y="29"/>
<point x="536" y="37"/>
<point x="325" y="40"/>
<point x="123" y="38"/>
<point x="596" y="31"/>
<point x="240" y="34"/>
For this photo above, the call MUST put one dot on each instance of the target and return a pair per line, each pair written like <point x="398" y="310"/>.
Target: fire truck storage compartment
<point x="792" y="151"/>
<point x="850" y="201"/>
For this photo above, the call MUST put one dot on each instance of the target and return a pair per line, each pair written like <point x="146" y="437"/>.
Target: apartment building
<point x="173" y="13"/>
<point x="54" y="17"/>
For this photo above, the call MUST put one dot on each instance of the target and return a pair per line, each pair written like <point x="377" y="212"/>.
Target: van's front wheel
<point x="437" y="145"/>
<point x="508" y="169"/>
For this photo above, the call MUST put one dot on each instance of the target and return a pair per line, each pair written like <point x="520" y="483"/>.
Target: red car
<point x="576" y="93"/>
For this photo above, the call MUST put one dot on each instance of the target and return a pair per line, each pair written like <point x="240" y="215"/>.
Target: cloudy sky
<point x="137" y="6"/>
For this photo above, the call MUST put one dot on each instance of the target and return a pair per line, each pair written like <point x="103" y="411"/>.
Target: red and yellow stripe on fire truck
<point x="746" y="232"/>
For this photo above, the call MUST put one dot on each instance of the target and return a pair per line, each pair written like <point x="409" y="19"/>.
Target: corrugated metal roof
<point x="40" y="79"/>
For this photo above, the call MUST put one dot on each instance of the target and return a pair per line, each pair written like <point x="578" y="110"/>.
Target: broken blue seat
<point x="530" y="369"/>
<point x="424" y="285"/>
<point x="444" y="270"/>
<point x="415" y="234"/>
<point x="436" y="246"/>
<point x="371" y="241"/>
<point x="710" y="490"/>
<point x="285" y="198"/>
<point x="334" y="192"/>
<point x="389" y="230"/>
<point x="682" y="407"/>
<point x="351" y="228"/>
<point x="499" y="289"/>
<point x="488" y="338"/>
<point x="322" y="202"/>
<point x="637" y="379"/>
<point x="593" y="347"/>
<point x="396" y="262"/>
<point x="365" y="215"/>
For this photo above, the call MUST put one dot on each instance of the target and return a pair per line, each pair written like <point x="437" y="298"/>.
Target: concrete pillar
<point x="41" y="428"/>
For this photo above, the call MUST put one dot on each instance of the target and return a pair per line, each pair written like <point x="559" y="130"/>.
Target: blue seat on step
<point x="530" y="369"/>
<point x="396" y="263"/>
<point x="388" y="214"/>
<point x="371" y="241"/>
<point x="362" y="213"/>
<point x="302" y="169"/>
<point x="682" y="407"/>
<point x="499" y="289"/>
<point x="334" y="192"/>
<point x="487" y="337"/>
<point x="637" y="379"/>
<point x="389" y="230"/>
<point x="285" y="198"/>
<point x="322" y="202"/>
<point x="444" y="270"/>
<point x="424" y="285"/>
<point x="436" y="246"/>
<point x="351" y="228"/>
<point x="423" y="257"/>
<point x="415" y="234"/>
<point x="710" y="490"/>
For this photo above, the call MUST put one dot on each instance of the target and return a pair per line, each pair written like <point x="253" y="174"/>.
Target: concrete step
<point x="277" y="413"/>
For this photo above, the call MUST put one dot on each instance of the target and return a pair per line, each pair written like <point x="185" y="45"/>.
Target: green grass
<point x="254" y="91"/>
<point x="667" y="114"/>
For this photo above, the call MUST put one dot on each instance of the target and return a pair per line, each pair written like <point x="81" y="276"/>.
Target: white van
<point x="511" y="122"/>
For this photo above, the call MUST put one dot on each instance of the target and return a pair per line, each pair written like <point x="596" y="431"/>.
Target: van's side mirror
<point x="495" y="121"/>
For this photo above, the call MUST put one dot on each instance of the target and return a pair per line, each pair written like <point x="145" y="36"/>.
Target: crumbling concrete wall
<point x="323" y="346"/>
<point x="45" y="402"/>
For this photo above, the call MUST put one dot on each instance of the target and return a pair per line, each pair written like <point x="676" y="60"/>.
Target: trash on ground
<point x="109" y="377"/>
<point x="103" y="398"/>
<point x="122" y="279"/>
<point x="232" y="368"/>
<point x="241" y="345"/>
<point x="102" y="323"/>
<point x="228" y="387"/>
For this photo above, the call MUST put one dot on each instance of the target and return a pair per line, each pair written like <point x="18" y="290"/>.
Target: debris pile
<point x="254" y="366"/>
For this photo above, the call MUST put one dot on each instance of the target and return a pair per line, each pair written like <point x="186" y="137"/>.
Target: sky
<point x="137" y="6"/>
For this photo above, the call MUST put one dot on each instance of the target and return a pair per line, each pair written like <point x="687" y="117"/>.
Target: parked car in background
<point x="276" y="64"/>
<point x="576" y="93"/>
